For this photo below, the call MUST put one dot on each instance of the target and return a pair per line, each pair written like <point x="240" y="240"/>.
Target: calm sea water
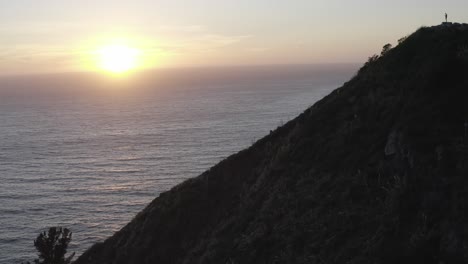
<point x="87" y="153"/>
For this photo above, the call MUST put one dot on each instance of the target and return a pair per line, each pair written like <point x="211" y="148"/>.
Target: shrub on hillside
<point x="52" y="246"/>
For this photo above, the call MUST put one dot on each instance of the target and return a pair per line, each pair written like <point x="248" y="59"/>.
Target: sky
<point x="64" y="35"/>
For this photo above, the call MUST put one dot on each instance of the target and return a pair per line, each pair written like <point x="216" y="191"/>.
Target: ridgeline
<point x="376" y="172"/>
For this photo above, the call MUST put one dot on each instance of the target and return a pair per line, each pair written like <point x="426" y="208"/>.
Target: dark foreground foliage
<point x="52" y="246"/>
<point x="376" y="172"/>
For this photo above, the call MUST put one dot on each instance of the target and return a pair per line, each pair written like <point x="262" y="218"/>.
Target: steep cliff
<point x="376" y="172"/>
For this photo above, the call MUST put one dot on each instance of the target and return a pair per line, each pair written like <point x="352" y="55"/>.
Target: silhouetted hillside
<point x="376" y="172"/>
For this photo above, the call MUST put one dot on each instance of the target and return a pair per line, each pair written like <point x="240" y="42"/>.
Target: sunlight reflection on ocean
<point x="91" y="162"/>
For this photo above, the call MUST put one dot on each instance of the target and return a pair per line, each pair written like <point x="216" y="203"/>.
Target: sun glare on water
<point x="118" y="58"/>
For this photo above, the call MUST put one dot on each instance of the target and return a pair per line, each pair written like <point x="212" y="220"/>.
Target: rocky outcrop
<point x="376" y="172"/>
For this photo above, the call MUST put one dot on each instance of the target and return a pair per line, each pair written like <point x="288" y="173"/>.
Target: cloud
<point x="181" y="28"/>
<point x="201" y="43"/>
<point x="46" y="46"/>
<point x="191" y="38"/>
<point x="222" y="40"/>
<point x="36" y="58"/>
<point x="257" y="49"/>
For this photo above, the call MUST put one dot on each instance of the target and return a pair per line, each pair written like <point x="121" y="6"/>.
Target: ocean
<point x="88" y="152"/>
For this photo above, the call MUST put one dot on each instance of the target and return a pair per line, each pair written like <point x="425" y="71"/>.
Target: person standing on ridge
<point x="445" y="17"/>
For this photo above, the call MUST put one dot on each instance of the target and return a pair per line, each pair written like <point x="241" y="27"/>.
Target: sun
<point x="118" y="58"/>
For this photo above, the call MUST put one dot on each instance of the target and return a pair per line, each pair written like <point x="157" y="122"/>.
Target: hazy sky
<point x="61" y="35"/>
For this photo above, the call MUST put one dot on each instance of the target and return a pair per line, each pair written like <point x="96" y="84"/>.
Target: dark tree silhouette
<point x="402" y="39"/>
<point x="386" y="48"/>
<point x="52" y="246"/>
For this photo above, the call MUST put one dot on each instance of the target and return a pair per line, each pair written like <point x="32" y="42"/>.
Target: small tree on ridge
<point x="386" y="48"/>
